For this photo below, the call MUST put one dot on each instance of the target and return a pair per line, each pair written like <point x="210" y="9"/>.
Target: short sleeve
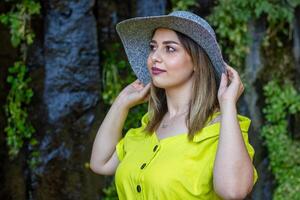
<point x="120" y="149"/>
<point x="130" y="134"/>
<point x="244" y="125"/>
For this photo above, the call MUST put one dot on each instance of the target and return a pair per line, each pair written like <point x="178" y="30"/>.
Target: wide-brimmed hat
<point x="136" y="33"/>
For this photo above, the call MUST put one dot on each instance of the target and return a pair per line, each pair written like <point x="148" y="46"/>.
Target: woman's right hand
<point x="134" y="94"/>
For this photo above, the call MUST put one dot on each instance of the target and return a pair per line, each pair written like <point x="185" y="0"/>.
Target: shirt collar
<point x="212" y="130"/>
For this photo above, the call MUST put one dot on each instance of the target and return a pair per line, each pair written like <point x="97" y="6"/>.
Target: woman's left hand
<point x="231" y="87"/>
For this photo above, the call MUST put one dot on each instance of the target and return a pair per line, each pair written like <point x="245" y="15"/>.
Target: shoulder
<point x="212" y="130"/>
<point x="138" y="131"/>
<point x="244" y="122"/>
<point x="145" y="119"/>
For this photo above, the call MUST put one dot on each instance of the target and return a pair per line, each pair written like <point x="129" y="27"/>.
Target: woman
<point x="192" y="144"/>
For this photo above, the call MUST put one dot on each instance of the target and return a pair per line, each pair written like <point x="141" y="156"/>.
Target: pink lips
<point x="156" y="71"/>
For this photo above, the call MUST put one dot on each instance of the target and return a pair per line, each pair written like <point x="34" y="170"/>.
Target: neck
<point x="178" y="98"/>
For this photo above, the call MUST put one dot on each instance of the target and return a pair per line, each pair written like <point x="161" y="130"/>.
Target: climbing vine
<point x="116" y="75"/>
<point x="183" y="4"/>
<point x="114" y="68"/>
<point x="18" y="127"/>
<point x="230" y="19"/>
<point x="282" y="101"/>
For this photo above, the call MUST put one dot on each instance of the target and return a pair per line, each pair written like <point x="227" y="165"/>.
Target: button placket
<point x="140" y="185"/>
<point x="155" y="148"/>
<point x="149" y="157"/>
<point x="138" y="188"/>
<point x="143" y="165"/>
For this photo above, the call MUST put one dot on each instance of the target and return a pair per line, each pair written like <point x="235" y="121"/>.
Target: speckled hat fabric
<point x="135" y="34"/>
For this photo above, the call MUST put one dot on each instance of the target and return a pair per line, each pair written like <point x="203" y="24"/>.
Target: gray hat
<point x="135" y="34"/>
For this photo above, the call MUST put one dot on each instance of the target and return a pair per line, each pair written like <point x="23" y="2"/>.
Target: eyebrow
<point x="165" y="42"/>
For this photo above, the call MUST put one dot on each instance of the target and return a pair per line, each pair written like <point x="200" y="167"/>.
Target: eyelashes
<point x="168" y="48"/>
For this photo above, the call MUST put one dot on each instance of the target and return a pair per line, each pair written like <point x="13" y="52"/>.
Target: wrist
<point x="228" y="107"/>
<point x="121" y="104"/>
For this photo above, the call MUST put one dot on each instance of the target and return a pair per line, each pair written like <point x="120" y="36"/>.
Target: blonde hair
<point x="203" y="101"/>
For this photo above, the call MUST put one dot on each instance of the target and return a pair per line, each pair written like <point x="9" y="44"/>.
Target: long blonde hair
<point x="203" y="101"/>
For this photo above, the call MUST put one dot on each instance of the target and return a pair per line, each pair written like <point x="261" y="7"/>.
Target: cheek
<point x="180" y="67"/>
<point x="148" y="63"/>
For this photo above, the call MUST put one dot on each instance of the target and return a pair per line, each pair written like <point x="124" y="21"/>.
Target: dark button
<point x="143" y="166"/>
<point x="138" y="188"/>
<point x="155" y="147"/>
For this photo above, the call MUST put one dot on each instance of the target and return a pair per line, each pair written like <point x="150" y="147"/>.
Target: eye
<point x="151" y="46"/>
<point x="170" y="49"/>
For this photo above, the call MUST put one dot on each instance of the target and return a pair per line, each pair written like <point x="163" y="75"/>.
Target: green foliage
<point x="116" y="74"/>
<point x="18" y="20"/>
<point x="282" y="101"/>
<point x="230" y="20"/>
<point x="35" y="155"/>
<point x="18" y="127"/>
<point x="110" y="192"/>
<point x="231" y="17"/>
<point x="183" y="4"/>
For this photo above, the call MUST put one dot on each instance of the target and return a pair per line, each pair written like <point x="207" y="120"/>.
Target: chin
<point x="162" y="84"/>
<point x="158" y="83"/>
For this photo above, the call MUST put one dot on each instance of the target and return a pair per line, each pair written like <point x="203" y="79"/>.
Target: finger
<point x="227" y="67"/>
<point x="230" y="76"/>
<point x="230" y="70"/>
<point x="233" y="75"/>
<point x="139" y="82"/>
<point x="135" y="83"/>
<point x="147" y="98"/>
<point x="145" y="89"/>
<point x="242" y="88"/>
<point x="224" y="82"/>
<point x="148" y="86"/>
<point x="137" y="86"/>
<point x="234" y="72"/>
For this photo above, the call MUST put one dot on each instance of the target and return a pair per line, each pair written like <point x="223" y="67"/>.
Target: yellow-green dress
<point x="171" y="168"/>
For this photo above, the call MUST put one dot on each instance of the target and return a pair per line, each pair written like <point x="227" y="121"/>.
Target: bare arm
<point x="104" y="158"/>
<point x="233" y="169"/>
<point x="108" y="135"/>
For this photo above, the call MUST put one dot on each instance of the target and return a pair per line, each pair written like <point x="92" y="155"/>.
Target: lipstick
<point x="156" y="70"/>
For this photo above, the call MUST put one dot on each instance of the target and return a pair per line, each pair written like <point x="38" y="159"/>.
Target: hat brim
<point x="135" y="34"/>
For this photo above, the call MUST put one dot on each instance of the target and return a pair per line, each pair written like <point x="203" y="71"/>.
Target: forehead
<point x="161" y="34"/>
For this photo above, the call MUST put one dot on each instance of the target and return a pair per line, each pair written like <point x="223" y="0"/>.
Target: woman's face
<point x="168" y="54"/>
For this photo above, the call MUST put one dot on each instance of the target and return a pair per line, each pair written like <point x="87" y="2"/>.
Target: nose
<point x="155" y="55"/>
